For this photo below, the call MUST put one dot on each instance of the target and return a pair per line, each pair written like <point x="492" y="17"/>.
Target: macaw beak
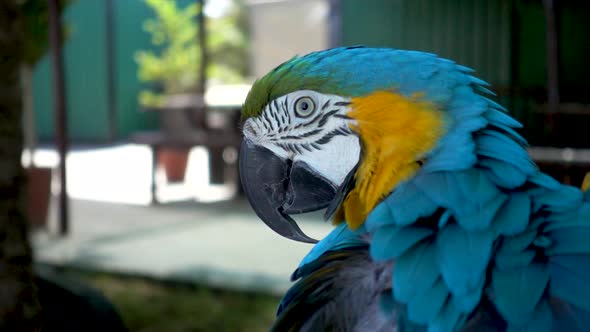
<point x="276" y="187"/>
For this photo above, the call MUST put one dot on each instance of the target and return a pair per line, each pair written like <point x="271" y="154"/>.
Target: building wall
<point x="503" y="40"/>
<point x="85" y="62"/>
<point x="283" y="29"/>
<point x="85" y="74"/>
<point x="130" y="37"/>
<point x="474" y="33"/>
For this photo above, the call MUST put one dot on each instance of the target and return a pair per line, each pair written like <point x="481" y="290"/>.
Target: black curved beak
<point x="276" y="188"/>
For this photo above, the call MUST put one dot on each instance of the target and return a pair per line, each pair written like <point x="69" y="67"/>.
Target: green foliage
<point x="36" y="27"/>
<point x="228" y="45"/>
<point x="151" y="306"/>
<point x="173" y="64"/>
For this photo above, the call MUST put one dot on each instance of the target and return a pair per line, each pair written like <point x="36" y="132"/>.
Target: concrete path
<point x="218" y="243"/>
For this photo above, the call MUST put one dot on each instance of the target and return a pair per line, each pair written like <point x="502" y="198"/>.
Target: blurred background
<point x="126" y="118"/>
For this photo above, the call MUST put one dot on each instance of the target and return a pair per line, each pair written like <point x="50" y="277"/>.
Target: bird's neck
<point x="396" y="132"/>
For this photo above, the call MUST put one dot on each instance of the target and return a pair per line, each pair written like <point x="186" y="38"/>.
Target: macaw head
<point x="340" y="129"/>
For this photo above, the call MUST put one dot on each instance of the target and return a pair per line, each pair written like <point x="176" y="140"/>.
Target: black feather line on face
<point x="296" y="148"/>
<point x="306" y="147"/>
<point x="286" y="104"/>
<point x="324" y="140"/>
<point x="316" y="118"/>
<point x="266" y="118"/>
<point x="286" y="111"/>
<point x="342" y="116"/>
<point x="280" y="114"/>
<point x="344" y="131"/>
<point x="277" y="114"/>
<point x="328" y="137"/>
<point x="342" y="103"/>
<point x="282" y="146"/>
<point x="326" y="117"/>
<point x="305" y="135"/>
<point x="311" y="133"/>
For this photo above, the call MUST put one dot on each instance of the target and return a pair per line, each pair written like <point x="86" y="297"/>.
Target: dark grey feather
<point x="342" y="293"/>
<point x="343" y="290"/>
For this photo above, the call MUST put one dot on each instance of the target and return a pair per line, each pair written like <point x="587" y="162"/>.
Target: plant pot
<point x="173" y="161"/>
<point x="38" y="194"/>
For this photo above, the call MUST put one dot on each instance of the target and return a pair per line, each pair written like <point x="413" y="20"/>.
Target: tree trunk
<point x="19" y="307"/>
<point x="30" y="132"/>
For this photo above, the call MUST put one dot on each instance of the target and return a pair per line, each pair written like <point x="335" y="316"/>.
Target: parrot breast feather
<point x="499" y="231"/>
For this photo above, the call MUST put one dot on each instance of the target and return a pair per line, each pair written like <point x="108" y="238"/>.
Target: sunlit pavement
<point x="198" y="235"/>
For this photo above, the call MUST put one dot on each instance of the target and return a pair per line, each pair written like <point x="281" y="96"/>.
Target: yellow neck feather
<point x="396" y="132"/>
<point x="586" y="182"/>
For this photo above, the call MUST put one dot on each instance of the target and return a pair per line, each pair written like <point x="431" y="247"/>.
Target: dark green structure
<point x="504" y="40"/>
<point x="463" y="30"/>
<point x="90" y="107"/>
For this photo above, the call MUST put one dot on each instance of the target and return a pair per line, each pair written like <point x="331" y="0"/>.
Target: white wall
<point x="281" y="29"/>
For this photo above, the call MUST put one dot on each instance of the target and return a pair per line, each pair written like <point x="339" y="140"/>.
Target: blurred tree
<point x="35" y="22"/>
<point x="228" y="45"/>
<point x="19" y="307"/>
<point x="31" y="301"/>
<point x="174" y="62"/>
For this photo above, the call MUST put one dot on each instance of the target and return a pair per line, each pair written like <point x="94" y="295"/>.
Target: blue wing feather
<point x="462" y="257"/>
<point x="339" y="238"/>
<point x="410" y="204"/>
<point x="502" y="174"/>
<point x="570" y="240"/>
<point x="544" y="181"/>
<point x="566" y="198"/>
<point x="514" y="215"/>
<point x="517" y="243"/>
<point x="424" y="307"/>
<point x="512" y="260"/>
<point x="568" y="317"/>
<point x="540" y="321"/>
<point x="415" y="272"/>
<point x="517" y="292"/>
<point x="390" y="242"/>
<point x="450" y="318"/>
<point x="569" y="279"/>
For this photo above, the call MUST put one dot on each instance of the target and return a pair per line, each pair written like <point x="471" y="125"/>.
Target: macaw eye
<point x="304" y="107"/>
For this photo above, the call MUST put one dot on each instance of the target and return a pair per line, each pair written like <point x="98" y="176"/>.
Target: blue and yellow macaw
<point x="443" y="221"/>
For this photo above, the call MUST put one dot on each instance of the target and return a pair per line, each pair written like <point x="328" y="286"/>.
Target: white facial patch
<point x="336" y="160"/>
<point x="311" y="127"/>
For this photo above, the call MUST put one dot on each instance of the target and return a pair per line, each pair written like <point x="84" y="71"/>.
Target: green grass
<point x="151" y="306"/>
